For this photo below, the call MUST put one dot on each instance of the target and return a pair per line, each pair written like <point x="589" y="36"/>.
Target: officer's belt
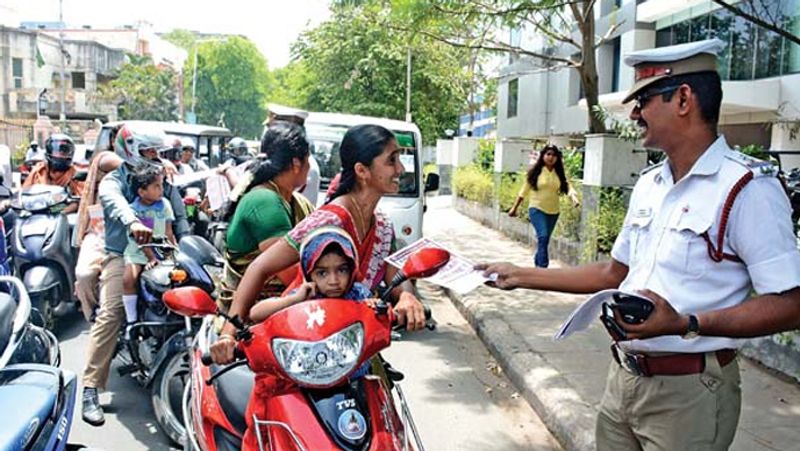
<point x="667" y="365"/>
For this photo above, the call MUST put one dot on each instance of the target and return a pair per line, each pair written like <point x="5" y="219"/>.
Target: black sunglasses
<point x="642" y="99"/>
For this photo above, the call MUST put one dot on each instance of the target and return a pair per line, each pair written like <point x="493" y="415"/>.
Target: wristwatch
<point x="693" y="331"/>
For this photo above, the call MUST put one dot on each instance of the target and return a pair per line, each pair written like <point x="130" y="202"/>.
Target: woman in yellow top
<point x="546" y="180"/>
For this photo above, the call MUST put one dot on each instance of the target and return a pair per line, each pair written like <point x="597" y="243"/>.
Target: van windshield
<point x="325" y="141"/>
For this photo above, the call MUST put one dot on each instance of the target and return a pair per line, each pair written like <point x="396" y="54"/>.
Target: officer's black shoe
<point x="92" y="412"/>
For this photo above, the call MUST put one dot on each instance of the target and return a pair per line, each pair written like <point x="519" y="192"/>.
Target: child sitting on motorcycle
<point x="154" y="212"/>
<point x="328" y="262"/>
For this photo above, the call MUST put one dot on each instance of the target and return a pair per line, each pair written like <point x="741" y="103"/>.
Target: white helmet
<point x="187" y="142"/>
<point x="132" y="140"/>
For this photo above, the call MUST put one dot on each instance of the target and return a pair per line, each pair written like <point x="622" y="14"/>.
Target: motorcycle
<point x="42" y="395"/>
<point x="154" y="350"/>
<point x="43" y="255"/>
<point x="793" y="189"/>
<point x="300" y="361"/>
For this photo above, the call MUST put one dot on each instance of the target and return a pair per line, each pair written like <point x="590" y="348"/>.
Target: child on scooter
<point x="328" y="261"/>
<point x="155" y="212"/>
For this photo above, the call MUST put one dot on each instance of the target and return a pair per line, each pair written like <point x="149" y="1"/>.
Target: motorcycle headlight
<point x="320" y="363"/>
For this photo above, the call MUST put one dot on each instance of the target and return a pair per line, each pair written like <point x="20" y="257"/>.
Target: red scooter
<point x="295" y="392"/>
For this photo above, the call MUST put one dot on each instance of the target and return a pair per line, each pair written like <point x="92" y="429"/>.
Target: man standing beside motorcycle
<point x="135" y="145"/>
<point x="57" y="168"/>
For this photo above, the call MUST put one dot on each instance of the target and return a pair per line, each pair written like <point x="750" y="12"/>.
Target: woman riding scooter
<point x="371" y="167"/>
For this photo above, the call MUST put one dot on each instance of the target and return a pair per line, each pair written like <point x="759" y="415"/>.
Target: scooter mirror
<point x="425" y="262"/>
<point x="190" y="301"/>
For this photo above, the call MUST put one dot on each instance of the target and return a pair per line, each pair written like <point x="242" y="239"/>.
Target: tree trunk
<point x="588" y="69"/>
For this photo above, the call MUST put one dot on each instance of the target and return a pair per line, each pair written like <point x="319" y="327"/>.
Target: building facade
<point x="31" y="62"/>
<point x="760" y="71"/>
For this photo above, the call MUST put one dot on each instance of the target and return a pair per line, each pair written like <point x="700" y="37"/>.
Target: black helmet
<point x="237" y="148"/>
<point x="58" y="151"/>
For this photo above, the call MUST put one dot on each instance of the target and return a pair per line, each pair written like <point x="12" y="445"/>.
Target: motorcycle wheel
<point x="166" y="395"/>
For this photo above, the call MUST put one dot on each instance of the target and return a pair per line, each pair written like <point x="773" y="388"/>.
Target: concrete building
<point x="760" y="72"/>
<point x="30" y="62"/>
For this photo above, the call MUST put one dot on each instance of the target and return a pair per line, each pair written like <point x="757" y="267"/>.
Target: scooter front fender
<point x="39" y="279"/>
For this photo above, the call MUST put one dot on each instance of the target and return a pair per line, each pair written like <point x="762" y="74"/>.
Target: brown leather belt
<point x="667" y="365"/>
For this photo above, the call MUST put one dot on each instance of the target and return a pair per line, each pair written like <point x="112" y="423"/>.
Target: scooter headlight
<point x="321" y="363"/>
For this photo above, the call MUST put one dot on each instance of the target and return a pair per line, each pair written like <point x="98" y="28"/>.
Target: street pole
<point x="194" y="76"/>
<point x="63" y="115"/>
<point x="408" y="85"/>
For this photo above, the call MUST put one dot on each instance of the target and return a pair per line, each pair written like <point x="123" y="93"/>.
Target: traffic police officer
<point x="702" y="230"/>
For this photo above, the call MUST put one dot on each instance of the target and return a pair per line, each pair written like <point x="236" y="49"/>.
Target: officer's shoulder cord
<point x="717" y="254"/>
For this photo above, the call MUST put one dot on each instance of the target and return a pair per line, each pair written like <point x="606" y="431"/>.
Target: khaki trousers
<point x="690" y="412"/>
<point x="87" y="272"/>
<point x="105" y="330"/>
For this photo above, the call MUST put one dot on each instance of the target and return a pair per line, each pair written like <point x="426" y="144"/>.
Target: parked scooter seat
<point x="7" y="308"/>
<point x="233" y="390"/>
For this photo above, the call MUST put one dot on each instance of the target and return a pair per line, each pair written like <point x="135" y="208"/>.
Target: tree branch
<point x="495" y="47"/>
<point x="588" y="10"/>
<point x="607" y="37"/>
<point x="758" y="21"/>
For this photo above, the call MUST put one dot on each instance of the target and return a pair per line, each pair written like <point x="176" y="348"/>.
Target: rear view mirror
<point x="190" y="301"/>
<point x="431" y="182"/>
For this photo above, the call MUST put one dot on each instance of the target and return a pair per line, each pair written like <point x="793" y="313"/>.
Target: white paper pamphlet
<point x="458" y="274"/>
<point x="217" y="191"/>
<point x="588" y="311"/>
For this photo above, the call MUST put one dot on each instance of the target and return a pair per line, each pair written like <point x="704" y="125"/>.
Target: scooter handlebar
<point x="206" y="359"/>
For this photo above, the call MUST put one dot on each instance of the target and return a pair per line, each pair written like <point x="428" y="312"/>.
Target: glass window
<point x="743" y="36"/>
<point x="513" y="98"/>
<point x="699" y="28"/>
<point x="78" y="80"/>
<point x="664" y="37"/>
<point x="16" y="72"/>
<point x="721" y="23"/>
<point x="681" y="32"/>
<point x="768" y="54"/>
<point x="615" y="69"/>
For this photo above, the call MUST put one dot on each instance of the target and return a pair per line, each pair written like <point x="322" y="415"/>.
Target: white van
<point x="405" y="209"/>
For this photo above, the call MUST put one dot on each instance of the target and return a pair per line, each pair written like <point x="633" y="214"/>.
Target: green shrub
<point x="472" y="183"/>
<point x="603" y="227"/>
<point x="573" y="164"/>
<point x="569" y="218"/>
<point x="507" y="192"/>
<point x="485" y="156"/>
<point x="18" y="154"/>
<point x="428" y="169"/>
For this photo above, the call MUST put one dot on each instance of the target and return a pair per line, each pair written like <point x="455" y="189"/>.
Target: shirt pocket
<point x="639" y="230"/>
<point x="685" y="249"/>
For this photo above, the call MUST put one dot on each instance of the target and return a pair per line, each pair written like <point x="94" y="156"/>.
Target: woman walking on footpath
<point x="545" y="182"/>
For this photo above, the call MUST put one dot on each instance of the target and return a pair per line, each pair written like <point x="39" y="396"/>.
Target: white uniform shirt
<point x="661" y="242"/>
<point x="311" y="190"/>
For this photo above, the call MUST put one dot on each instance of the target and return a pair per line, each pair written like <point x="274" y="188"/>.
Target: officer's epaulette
<point x="759" y="168"/>
<point x="651" y="167"/>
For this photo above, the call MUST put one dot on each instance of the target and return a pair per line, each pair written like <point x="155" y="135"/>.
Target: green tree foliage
<point x="184" y="39"/>
<point x="356" y="63"/>
<point x="142" y="90"/>
<point x="291" y="85"/>
<point x="568" y="29"/>
<point x="232" y="83"/>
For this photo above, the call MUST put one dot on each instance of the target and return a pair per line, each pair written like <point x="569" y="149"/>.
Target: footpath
<point x="564" y="381"/>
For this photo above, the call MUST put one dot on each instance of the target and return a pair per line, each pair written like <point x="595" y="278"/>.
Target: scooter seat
<point x="8" y="307"/>
<point x="233" y="391"/>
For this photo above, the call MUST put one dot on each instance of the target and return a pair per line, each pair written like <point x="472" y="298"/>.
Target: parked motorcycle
<point x="302" y="357"/>
<point x="155" y="349"/>
<point x="43" y="255"/>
